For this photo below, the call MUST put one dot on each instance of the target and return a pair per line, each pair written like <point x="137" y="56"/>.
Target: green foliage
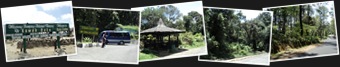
<point x="188" y="40"/>
<point x="134" y="36"/>
<point x="133" y="29"/>
<point x="87" y="39"/>
<point x="145" y="56"/>
<point x="104" y="19"/>
<point x="240" y="50"/>
<point x="298" y="26"/>
<point x="230" y="35"/>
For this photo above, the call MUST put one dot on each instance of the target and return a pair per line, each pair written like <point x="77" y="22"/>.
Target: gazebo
<point x="160" y="31"/>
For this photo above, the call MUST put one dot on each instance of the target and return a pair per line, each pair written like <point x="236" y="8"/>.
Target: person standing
<point x="104" y="40"/>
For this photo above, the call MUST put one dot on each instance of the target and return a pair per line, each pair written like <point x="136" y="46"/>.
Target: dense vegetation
<point x="172" y="17"/>
<point x="302" y="25"/>
<point x="106" y="20"/>
<point x="230" y="35"/>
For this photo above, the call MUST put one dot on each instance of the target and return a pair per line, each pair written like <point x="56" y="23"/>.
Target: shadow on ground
<point x="167" y="53"/>
<point x="163" y="53"/>
<point x="288" y="55"/>
<point x="329" y="43"/>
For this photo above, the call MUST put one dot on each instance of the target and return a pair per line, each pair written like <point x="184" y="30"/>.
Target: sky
<point x="184" y="7"/>
<point x="57" y="12"/>
<point x="250" y="14"/>
<point x="330" y="4"/>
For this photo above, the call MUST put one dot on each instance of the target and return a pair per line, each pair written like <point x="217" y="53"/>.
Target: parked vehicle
<point x="120" y="37"/>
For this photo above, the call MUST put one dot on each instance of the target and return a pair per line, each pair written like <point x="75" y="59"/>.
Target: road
<point x="328" y="46"/>
<point x="190" y="52"/>
<point x="261" y="59"/>
<point x="113" y="53"/>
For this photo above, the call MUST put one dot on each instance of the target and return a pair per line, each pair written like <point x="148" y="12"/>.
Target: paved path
<point x="190" y="52"/>
<point x="116" y="53"/>
<point x="261" y="59"/>
<point x="328" y="46"/>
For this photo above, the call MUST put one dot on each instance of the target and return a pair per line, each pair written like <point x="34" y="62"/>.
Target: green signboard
<point x="88" y="30"/>
<point x="36" y="30"/>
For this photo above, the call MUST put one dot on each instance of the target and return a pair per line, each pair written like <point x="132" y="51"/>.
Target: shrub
<point x="190" y="40"/>
<point x="239" y="50"/>
<point x="87" y="39"/>
<point x="187" y="38"/>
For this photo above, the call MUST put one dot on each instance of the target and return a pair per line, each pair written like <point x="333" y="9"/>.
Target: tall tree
<point x="171" y="12"/>
<point x="300" y="18"/>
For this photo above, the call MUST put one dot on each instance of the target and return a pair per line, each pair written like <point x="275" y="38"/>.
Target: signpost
<point x="36" y="30"/>
<point x="88" y="30"/>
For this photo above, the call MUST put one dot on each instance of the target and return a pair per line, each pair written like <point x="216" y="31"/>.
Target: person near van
<point x="104" y="40"/>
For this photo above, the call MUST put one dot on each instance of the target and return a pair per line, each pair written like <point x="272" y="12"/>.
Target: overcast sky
<point x="57" y="12"/>
<point x="250" y="14"/>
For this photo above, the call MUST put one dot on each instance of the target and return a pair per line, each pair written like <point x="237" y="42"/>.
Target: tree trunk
<point x="284" y="24"/>
<point x="301" y="26"/>
<point x="254" y="45"/>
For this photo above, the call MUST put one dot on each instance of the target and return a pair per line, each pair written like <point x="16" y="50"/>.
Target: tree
<point x="197" y="22"/>
<point x="150" y="16"/>
<point x="171" y="12"/>
<point x="188" y="21"/>
<point x="301" y="24"/>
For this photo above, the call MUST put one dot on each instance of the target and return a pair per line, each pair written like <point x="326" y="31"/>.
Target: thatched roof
<point x="161" y="28"/>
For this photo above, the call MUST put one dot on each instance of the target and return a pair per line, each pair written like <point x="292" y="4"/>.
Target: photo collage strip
<point x="169" y="31"/>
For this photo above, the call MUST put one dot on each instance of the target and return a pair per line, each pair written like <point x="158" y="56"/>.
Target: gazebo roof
<point x="161" y="28"/>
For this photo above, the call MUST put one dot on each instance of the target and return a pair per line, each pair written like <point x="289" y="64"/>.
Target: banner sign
<point x="36" y="30"/>
<point x="88" y="30"/>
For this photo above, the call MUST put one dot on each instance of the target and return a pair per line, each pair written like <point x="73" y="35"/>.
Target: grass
<point x="300" y="49"/>
<point x="130" y="27"/>
<point x="144" y="56"/>
<point x="195" y="45"/>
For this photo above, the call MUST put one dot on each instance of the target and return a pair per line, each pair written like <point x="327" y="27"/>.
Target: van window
<point x="126" y="34"/>
<point x="114" y="35"/>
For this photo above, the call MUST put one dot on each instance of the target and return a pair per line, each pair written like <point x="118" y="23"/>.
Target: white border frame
<point x="324" y="55"/>
<point x="182" y="56"/>
<point x="45" y="57"/>
<point x="114" y="9"/>
<point x="271" y="25"/>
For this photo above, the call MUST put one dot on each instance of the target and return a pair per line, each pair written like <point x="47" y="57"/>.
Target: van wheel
<point x="121" y="43"/>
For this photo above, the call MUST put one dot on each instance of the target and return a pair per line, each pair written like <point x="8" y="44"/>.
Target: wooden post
<point x="24" y="45"/>
<point x="177" y="42"/>
<point x="169" y="39"/>
<point x="58" y="42"/>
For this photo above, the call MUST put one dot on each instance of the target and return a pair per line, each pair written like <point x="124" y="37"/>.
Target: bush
<point x="187" y="38"/>
<point x="190" y="40"/>
<point x="134" y="36"/>
<point x="239" y="50"/>
<point x="87" y="39"/>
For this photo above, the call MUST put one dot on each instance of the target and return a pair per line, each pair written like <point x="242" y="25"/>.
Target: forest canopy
<point x="104" y="19"/>
<point x="231" y="35"/>
<point x="301" y="25"/>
